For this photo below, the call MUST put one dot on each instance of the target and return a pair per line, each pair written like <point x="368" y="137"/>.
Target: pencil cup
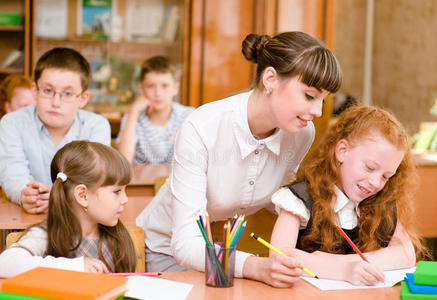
<point x="219" y="266"/>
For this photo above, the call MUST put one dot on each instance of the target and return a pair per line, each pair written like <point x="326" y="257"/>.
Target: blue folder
<point x="419" y="289"/>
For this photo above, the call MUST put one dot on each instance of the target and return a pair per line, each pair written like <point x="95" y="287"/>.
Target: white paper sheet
<point x="391" y="278"/>
<point x="146" y="287"/>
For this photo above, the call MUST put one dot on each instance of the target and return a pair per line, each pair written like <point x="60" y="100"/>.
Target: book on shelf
<point x="14" y="59"/>
<point x="144" y="19"/>
<point x="94" y="18"/>
<point x="64" y="284"/>
<point x="51" y="19"/>
<point x="171" y="24"/>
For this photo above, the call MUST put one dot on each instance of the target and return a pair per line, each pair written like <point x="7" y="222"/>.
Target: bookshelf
<point x="147" y="28"/>
<point x="16" y="39"/>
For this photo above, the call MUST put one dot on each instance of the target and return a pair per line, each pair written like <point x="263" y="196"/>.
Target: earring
<point x="268" y="92"/>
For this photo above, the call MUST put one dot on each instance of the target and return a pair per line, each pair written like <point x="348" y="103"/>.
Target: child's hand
<point x="282" y="271"/>
<point x="140" y="104"/>
<point x="35" y="197"/>
<point x="364" y="273"/>
<point x="94" y="265"/>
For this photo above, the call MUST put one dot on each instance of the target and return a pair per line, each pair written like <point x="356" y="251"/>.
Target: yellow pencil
<point x="270" y="246"/>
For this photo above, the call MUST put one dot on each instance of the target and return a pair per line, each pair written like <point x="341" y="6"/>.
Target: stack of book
<point x="49" y="283"/>
<point x="422" y="284"/>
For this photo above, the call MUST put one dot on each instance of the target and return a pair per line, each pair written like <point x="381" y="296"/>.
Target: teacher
<point x="231" y="155"/>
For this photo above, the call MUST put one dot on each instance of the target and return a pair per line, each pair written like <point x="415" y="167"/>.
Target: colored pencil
<point x="153" y="274"/>
<point x="208" y="229"/>
<point x="233" y="220"/>
<point x="270" y="246"/>
<point x="351" y="243"/>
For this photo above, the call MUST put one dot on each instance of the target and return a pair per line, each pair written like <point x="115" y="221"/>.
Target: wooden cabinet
<point x="16" y="39"/>
<point x="214" y="65"/>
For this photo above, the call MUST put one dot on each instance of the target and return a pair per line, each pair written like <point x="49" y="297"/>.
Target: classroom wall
<point x="404" y="62"/>
<point x="350" y="17"/>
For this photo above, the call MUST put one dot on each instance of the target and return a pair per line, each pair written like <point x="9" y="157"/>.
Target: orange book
<point x="62" y="284"/>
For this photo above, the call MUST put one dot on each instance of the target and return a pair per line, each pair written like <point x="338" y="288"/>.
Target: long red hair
<point x="323" y="172"/>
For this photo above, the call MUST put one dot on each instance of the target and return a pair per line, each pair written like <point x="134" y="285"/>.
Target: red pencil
<point x="154" y="274"/>
<point x="351" y="243"/>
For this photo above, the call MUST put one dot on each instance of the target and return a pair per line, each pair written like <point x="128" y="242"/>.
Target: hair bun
<point x="252" y="46"/>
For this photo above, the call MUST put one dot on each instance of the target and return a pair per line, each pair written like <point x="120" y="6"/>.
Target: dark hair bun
<point x="252" y="45"/>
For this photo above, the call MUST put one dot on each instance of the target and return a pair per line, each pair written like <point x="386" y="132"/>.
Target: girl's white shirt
<point x="221" y="168"/>
<point x="347" y="211"/>
<point x="30" y="252"/>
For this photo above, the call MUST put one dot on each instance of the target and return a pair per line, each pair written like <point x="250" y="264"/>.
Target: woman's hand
<point x="277" y="270"/>
<point x="363" y="273"/>
<point x="94" y="265"/>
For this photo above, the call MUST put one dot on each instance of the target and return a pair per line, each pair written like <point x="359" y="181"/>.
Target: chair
<point x="137" y="236"/>
<point x="12" y="237"/>
<point x="136" y="233"/>
<point x="159" y="181"/>
<point x="261" y="223"/>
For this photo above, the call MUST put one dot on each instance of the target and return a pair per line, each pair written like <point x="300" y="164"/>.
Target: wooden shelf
<point x="151" y="41"/>
<point x="12" y="28"/>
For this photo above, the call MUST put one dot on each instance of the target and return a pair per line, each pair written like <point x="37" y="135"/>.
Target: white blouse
<point x="221" y="168"/>
<point x="347" y="211"/>
<point x="30" y="252"/>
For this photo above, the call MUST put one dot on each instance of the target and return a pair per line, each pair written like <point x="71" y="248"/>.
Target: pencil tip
<point x="316" y="277"/>
<point x="159" y="273"/>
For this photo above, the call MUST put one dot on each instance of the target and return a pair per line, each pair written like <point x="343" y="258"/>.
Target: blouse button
<point x="256" y="151"/>
<point x="251" y="182"/>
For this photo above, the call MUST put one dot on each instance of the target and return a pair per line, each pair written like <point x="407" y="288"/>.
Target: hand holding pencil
<point x="361" y="272"/>
<point x="268" y="245"/>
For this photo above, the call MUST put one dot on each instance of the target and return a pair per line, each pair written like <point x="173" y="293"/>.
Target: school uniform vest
<point x="300" y="190"/>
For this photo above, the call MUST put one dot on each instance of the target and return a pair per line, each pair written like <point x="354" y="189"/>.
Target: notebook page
<point x="391" y="278"/>
<point x="146" y="287"/>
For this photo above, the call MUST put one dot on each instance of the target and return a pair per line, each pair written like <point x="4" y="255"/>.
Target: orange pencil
<point x="208" y="228"/>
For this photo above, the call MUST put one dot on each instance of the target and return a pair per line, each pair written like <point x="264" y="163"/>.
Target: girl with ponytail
<point x="82" y="231"/>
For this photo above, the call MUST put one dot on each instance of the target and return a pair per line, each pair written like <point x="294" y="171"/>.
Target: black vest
<point x="300" y="190"/>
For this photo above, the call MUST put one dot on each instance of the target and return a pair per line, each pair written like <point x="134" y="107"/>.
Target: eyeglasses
<point x="65" y="96"/>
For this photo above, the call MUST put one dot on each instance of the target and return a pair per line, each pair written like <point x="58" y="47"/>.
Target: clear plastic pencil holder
<point x="219" y="266"/>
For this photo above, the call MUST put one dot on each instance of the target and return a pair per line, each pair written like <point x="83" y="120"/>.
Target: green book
<point x="406" y="294"/>
<point x="426" y="273"/>
<point x="10" y="296"/>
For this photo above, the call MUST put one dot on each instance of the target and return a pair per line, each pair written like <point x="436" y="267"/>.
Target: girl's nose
<point x="377" y="182"/>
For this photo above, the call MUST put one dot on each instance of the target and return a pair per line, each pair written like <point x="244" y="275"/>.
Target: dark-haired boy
<point x="148" y="130"/>
<point x="30" y="137"/>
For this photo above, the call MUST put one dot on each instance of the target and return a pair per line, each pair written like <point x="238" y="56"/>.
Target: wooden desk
<point x="13" y="216"/>
<point x="143" y="178"/>
<point x="426" y="197"/>
<point x="248" y="289"/>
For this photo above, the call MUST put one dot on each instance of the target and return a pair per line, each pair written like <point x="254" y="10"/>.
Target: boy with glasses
<point x="30" y="137"/>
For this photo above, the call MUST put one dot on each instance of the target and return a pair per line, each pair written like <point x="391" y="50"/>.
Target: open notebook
<point x="391" y="278"/>
<point x="144" y="287"/>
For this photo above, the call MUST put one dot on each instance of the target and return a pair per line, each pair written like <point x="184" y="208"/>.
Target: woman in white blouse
<point x="231" y="155"/>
